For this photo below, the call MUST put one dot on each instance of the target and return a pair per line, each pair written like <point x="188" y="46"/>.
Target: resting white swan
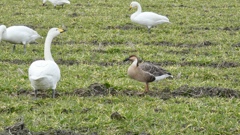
<point x="148" y="19"/>
<point x="18" y="35"/>
<point x="57" y="2"/>
<point x="45" y="74"/>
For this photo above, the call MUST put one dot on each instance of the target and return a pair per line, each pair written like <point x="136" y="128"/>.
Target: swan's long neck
<point x="139" y="10"/>
<point x="47" y="48"/>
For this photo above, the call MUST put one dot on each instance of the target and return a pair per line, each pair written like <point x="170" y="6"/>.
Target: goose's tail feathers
<point x="157" y="78"/>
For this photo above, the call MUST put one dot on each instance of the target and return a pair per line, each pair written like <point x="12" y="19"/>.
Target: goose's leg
<point x="53" y="93"/>
<point x="146" y="89"/>
<point x="62" y="5"/>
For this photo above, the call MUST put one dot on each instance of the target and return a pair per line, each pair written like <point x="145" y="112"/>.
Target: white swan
<point x="45" y="74"/>
<point x="148" y="19"/>
<point x="57" y="2"/>
<point x="18" y="35"/>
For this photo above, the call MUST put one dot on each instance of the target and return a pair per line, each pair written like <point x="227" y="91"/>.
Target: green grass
<point x="101" y="33"/>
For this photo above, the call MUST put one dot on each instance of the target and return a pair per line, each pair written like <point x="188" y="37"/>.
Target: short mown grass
<point x="200" y="48"/>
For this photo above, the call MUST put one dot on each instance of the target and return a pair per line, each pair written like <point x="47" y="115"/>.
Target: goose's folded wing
<point x="152" y="69"/>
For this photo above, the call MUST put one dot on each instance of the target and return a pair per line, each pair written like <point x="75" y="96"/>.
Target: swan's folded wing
<point x="152" y="16"/>
<point x="42" y="68"/>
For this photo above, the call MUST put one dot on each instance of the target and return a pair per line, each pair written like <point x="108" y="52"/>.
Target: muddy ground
<point x="97" y="89"/>
<point x="221" y="64"/>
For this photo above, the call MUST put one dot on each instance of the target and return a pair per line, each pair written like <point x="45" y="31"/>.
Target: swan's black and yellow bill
<point x="61" y="30"/>
<point x="130" y="8"/>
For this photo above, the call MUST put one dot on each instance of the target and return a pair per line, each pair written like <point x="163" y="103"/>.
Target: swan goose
<point x="18" y="35"/>
<point x="148" y="19"/>
<point x="57" y="2"/>
<point x="45" y="74"/>
<point x="145" y="72"/>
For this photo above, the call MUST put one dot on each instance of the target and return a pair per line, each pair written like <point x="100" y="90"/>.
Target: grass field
<point x="95" y="95"/>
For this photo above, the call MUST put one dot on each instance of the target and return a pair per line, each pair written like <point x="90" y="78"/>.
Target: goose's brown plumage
<point x="145" y="72"/>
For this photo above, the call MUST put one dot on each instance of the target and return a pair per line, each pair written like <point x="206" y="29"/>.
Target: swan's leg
<point x="35" y="94"/>
<point x="14" y="46"/>
<point x="24" y="45"/>
<point x="149" y="30"/>
<point x="53" y="93"/>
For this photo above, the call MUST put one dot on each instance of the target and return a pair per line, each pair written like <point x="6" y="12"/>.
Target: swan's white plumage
<point x="148" y="19"/>
<point x="18" y="35"/>
<point x="45" y="74"/>
<point x="57" y="2"/>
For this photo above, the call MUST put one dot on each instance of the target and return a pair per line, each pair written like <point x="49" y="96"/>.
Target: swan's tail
<point x="163" y="77"/>
<point x="163" y="19"/>
<point x="36" y="78"/>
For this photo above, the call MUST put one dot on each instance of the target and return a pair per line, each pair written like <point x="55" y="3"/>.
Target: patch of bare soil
<point x="166" y="43"/>
<point x="106" y="51"/>
<point x="95" y="89"/>
<point x="18" y="13"/>
<point x="105" y="43"/>
<point x="67" y="62"/>
<point x="124" y="27"/>
<point x="187" y="91"/>
<point x="136" y="133"/>
<point x="182" y="52"/>
<point x="20" y="129"/>
<point x="16" y="61"/>
<point x="101" y="90"/>
<point x="17" y="129"/>
<point x="164" y="94"/>
<point x="73" y="14"/>
<point x="230" y="28"/>
<point x="223" y="64"/>
<point x="40" y="93"/>
<point x="197" y="92"/>
<point x="199" y="28"/>
<point x="236" y="45"/>
<point x="117" y="116"/>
